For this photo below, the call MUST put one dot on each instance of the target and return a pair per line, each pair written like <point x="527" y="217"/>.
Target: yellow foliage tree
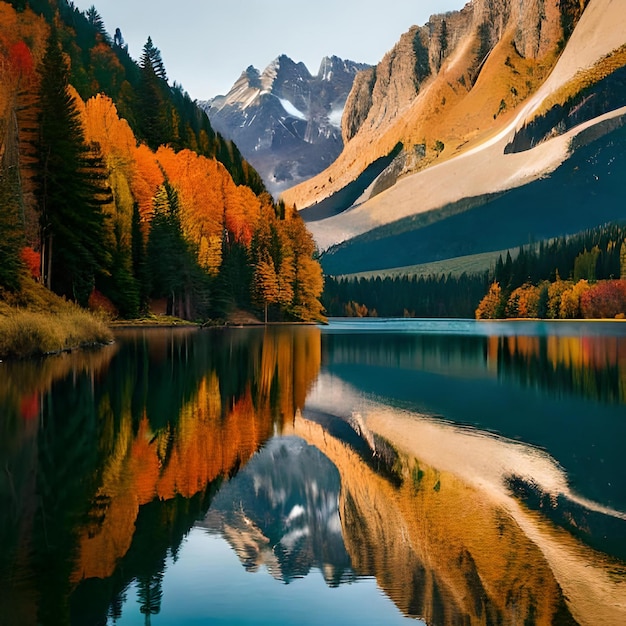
<point x="570" y="300"/>
<point x="490" y="304"/>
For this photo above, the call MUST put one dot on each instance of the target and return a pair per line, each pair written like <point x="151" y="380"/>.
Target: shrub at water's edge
<point x="36" y="323"/>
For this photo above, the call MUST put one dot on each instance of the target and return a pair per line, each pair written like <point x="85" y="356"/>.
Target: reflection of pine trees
<point x="150" y="593"/>
<point x="68" y="460"/>
<point x="115" y="609"/>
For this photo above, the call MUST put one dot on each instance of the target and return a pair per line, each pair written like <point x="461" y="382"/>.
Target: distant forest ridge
<point x="530" y="283"/>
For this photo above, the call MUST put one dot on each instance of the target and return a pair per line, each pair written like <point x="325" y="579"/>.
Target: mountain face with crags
<point x="286" y="121"/>
<point x="487" y="116"/>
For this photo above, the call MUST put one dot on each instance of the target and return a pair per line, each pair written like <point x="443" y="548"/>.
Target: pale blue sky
<point x="206" y="44"/>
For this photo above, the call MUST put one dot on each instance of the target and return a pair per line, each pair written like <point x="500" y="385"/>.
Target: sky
<point x="205" y="44"/>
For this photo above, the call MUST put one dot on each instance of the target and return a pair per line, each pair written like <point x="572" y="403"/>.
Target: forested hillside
<point x="578" y="276"/>
<point x="116" y="192"/>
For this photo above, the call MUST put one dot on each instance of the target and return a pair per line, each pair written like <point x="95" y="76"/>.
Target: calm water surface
<point x="367" y="472"/>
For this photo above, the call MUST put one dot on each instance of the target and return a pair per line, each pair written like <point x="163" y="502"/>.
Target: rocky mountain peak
<point x="253" y="76"/>
<point x="285" y="121"/>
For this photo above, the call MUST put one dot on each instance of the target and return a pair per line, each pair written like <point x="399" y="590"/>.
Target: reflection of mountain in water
<point x="564" y="394"/>
<point x="281" y="511"/>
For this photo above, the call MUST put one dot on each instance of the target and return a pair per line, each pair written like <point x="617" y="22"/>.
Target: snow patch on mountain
<point x="290" y="109"/>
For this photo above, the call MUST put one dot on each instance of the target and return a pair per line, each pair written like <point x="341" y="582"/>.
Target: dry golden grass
<point x="585" y="79"/>
<point x="36" y="322"/>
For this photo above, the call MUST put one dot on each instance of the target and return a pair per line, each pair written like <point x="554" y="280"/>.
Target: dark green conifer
<point x="72" y="187"/>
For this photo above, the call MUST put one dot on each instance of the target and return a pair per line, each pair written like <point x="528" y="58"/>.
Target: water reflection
<point x="440" y="549"/>
<point x="401" y="456"/>
<point x="110" y="457"/>
<point x="282" y="512"/>
<point x="560" y="393"/>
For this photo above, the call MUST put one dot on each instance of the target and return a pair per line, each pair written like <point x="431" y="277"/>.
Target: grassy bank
<point x="35" y="322"/>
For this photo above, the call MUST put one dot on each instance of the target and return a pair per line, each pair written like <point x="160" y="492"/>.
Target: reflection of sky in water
<point x="483" y="328"/>
<point x="200" y="586"/>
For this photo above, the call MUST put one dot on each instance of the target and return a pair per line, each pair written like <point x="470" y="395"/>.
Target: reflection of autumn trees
<point x="126" y="442"/>
<point x="225" y="414"/>
<point x="592" y="366"/>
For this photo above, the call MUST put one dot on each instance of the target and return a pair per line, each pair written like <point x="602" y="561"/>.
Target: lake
<point x="364" y="472"/>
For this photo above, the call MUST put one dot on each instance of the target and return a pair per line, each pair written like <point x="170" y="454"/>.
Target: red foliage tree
<point x="32" y="261"/>
<point x="605" y="299"/>
<point x="21" y="59"/>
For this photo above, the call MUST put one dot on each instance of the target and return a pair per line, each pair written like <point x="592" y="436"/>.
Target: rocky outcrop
<point x="398" y="78"/>
<point x="358" y="104"/>
<point x="382" y="93"/>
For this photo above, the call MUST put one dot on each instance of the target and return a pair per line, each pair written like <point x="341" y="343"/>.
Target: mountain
<point x="483" y="120"/>
<point x="286" y="121"/>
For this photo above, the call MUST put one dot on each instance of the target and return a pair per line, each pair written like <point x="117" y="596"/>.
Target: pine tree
<point x="172" y="262"/>
<point x="151" y="56"/>
<point x="153" y="111"/>
<point x="138" y="256"/>
<point x="97" y="23"/>
<point x="72" y="187"/>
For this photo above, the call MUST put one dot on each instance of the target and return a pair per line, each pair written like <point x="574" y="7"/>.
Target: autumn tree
<point x="523" y="302"/>
<point x="272" y="253"/>
<point x="490" y="304"/>
<point x="266" y="283"/>
<point x="605" y="299"/>
<point x="570" y="300"/>
<point x="308" y="281"/>
<point x="555" y="291"/>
